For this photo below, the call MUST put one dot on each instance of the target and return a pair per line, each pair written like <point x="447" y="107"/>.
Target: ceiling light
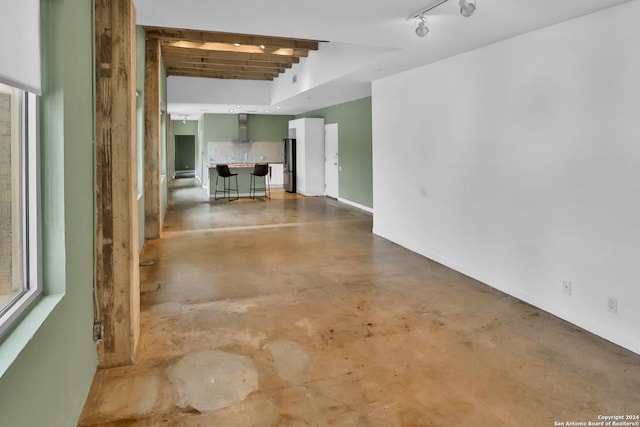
<point x="237" y="106"/>
<point x="467" y="7"/>
<point x="262" y="46"/>
<point x="266" y="111"/>
<point x="421" y="26"/>
<point x="236" y="44"/>
<point x="278" y="107"/>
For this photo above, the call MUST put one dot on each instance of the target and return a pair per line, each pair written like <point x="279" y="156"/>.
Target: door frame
<point x="331" y="160"/>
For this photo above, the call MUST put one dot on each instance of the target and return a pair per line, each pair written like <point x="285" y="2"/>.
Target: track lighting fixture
<point x="467" y="8"/>
<point x="426" y="9"/>
<point x="421" y="26"/>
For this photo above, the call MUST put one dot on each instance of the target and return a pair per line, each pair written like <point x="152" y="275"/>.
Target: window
<point x="20" y="282"/>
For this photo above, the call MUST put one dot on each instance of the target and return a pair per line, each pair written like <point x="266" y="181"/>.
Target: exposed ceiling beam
<point x="225" y="75"/>
<point x="227" y="56"/>
<point x="226" y="47"/>
<point x="222" y="67"/>
<point x="232" y="70"/>
<point x="176" y="59"/>
<point x="256" y="57"/>
<point x="177" y="34"/>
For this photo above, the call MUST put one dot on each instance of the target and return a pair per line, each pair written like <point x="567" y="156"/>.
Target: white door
<point x="331" y="161"/>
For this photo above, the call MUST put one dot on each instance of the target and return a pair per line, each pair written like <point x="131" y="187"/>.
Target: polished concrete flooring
<point x="289" y="312"/>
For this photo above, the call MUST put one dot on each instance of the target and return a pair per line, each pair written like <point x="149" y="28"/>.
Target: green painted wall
<point x="220" y="127"/>
<point x="189" y="128"/>
<point x="262" y="127"/>
<point x="48" y="382"/>
<point x="185" y="152"/>
<point x="354" y="136"/>
<point x="140" y="64"/>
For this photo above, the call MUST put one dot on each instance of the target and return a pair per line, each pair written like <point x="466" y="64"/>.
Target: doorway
<point x="331" y="160"/>
<point x="185" y="156"/>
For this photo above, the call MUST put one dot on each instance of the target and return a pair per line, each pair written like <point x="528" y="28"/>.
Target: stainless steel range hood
<point x="243" y="128"/>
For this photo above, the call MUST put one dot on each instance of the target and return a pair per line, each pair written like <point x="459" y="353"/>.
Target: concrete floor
<point x="289" y="312"/>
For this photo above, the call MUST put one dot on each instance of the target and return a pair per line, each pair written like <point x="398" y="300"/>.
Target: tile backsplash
<point x="245" y="152"/>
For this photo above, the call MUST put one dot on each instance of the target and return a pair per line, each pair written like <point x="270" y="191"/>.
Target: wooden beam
<point x="196" y="60"/>
<point x="230" y="64"/>
<point x="152" y="141"/>
<point x="215" y="61"/>
<point x="202" y="53"/>
<point x="218" y="37"/>
<point x="206" y="74"/>
<point x="226" y="47"/>
<point x="225" y="69"/>
<point x="171" y="51"/>
<point x="220" y="74"/>
<point x="117" y="271"/>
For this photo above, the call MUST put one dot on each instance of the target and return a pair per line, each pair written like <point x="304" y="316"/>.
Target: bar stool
<point x="260" y="170"/>
<point x="224" y="172"/>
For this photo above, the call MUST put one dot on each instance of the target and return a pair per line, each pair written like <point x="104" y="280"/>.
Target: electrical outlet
<point x="566" y="287"/>
<point x="97" y="330"/>
<point x="612" y="304"/>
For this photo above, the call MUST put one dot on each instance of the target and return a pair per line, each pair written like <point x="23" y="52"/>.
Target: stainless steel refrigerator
<point x="289" y="165"/>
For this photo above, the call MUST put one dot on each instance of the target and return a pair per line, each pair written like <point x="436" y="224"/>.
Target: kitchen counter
<point x="244" y="177"/>
<point x="236" y="165"/>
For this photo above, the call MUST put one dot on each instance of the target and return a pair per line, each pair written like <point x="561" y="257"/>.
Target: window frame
<point x="29" y="207"/>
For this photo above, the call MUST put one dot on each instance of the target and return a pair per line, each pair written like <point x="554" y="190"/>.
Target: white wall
<point x="195" y="90"/>
<point x="528" y="152"/>
<point x="332" y="61"/>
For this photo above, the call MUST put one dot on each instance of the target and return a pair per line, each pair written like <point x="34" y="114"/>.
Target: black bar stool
<point x="224" y="172"/>
<point x="260" y="170"/>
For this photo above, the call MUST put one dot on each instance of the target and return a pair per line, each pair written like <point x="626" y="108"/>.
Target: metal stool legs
<point x="226" y="188"/>
<point x="260" y="170"/>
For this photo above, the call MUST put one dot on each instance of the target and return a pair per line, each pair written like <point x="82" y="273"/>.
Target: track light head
<point x="467" y="8"/>
<point x="421" y="26"/>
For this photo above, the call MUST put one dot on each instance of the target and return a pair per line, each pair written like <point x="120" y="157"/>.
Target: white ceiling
<point x="370" y="39"/>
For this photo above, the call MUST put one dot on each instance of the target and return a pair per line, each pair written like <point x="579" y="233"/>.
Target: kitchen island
<point x="244" y="177"/>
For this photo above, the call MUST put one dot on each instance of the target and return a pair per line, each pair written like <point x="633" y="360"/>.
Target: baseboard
<point x="578" y="319"/>
<point x="355" y="205"/>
